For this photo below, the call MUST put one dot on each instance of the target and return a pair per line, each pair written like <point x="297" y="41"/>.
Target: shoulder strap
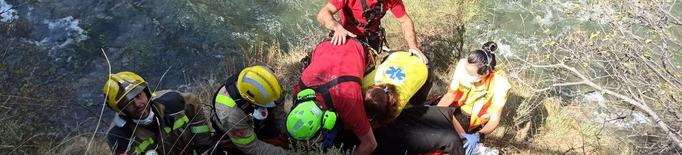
<point x="231" y="86"/>
<point x="365" y="8"/>
<point x="233" y="92"/>
<point x="350" y="18"/>
<point x="364" y="5"/>
<point x="324" y="88"/>
<point x="334" y="82"/>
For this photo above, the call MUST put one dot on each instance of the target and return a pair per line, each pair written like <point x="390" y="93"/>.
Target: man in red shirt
<point x="362" y="19"/>
<point x="329" y="71"/>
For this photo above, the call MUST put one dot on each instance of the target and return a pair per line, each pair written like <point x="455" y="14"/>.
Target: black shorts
<point x="419" y="129"/>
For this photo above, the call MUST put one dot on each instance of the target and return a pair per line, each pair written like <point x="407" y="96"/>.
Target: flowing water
<point x="190" y="39"/>
<point x="186" y="40"/>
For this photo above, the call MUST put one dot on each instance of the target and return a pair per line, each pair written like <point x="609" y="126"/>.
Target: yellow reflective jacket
<point x="479" y="101"/>
<point x="402" y="69"/>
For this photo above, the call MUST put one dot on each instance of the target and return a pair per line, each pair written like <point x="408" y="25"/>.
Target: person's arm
<point x="241" y="132"/>
<point x="367" y="144"/>
<point x="458" y="126"/>
<point x="408" y="31"/>
<point x="245" y="139"/>
<point x="407" y="26"/>
<point x="447" y="99"/>
<point x="499" y="100"/>
<point x="199" y="123"/>
<point x="492" y="123"/>
<point x="409" y="34"/>
<point x="326" y="18"/>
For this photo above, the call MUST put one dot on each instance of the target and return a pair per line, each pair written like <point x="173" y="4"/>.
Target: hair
<point x="484" y="57"/>
<point x="381" y="104"/>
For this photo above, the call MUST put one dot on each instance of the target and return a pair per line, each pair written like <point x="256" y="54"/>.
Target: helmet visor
<point x="130" y="96"/>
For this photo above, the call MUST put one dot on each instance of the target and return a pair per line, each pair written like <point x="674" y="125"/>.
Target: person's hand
<point x="472" y="141"/>
<point x="340" y="35"/>
<point x="419" y="54"/>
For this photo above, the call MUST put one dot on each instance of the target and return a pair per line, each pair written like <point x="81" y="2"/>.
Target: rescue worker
<point x="243" y="113"/>
<point x="165" y="122"/>
<point x="361" y="19"/>
<point x="334" y="74"/>
<point x="401" y="78"/>
<point x="479" y="92"/>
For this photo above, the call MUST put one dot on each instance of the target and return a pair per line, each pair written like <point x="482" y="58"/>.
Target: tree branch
<point x="640" y="105"/>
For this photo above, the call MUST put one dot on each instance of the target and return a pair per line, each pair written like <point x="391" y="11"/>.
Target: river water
<point x="192" y="39"/>
<point x="59" y="42"/>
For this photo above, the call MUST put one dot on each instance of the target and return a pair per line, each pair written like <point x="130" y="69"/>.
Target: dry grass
<point x="533" y="123"/>
<point x="78" y="145"/>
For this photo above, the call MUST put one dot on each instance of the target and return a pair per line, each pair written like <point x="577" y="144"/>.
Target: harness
<point x="375" y="38"/>
<point x="323" y="90"/>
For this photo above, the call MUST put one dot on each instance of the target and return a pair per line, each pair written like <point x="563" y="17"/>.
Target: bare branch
<point x="640" y="105"/>
<point x="87" y="149"/>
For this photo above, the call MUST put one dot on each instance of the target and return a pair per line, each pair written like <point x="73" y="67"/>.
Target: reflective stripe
<point x="200" y="129"/>
<point x="177" y="124"/>
<point x="244" y="140"/>
<point x="462" y="98"/>
<point x="257" y="86"/>
<point x="143" y="146"/>
<point x="225" y="100"/>
<point x="180" y="122"/>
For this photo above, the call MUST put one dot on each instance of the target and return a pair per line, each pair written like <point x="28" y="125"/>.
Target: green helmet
<point x="307" y="118"/>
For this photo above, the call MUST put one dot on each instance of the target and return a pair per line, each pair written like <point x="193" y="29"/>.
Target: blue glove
<point x="472" y="141"/>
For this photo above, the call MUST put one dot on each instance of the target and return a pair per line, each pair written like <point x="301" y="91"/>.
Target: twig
<point x="6" y="101"/>
<point x="640" y="105"/>
<point x="39" y="104"/>
<point x="87" y="149"/>
<point x="24" y="142"/>
<point x="29" y="98"/>
<point x="559" y="85"/>
<point x="73" y="137"/>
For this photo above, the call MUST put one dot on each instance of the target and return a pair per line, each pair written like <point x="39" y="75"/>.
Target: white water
<point x="7" y="14"/>
<point x="63" y="32"/>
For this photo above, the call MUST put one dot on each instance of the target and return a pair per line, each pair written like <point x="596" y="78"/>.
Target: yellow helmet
<point x="122" y="87"/>
<point x="258" y="85"/>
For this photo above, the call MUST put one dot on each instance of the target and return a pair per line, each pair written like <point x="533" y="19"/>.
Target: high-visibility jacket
<point x="482" y="100"/>
<point x="402" y="69"/>
<point x="232" y="118"/>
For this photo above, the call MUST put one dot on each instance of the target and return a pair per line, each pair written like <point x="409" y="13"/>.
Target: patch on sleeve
<point x="242" y="136"/>
<point x="239" y="133"/>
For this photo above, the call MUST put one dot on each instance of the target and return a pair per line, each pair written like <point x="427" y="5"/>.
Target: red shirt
<point x="329" y="62"/>
<point x="396" y="7"/>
